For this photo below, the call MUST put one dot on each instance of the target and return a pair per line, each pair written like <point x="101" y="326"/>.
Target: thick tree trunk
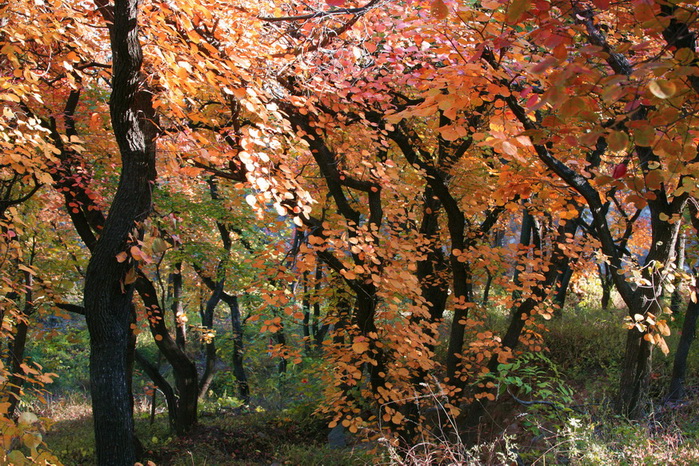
<point x="635" y="374"/>
<point x="636" y="368"/>
<point x="107" y="294"/>
<point x="680" y="252"/>
<point x="434" y="289"/>
<point x="604" y="272"/>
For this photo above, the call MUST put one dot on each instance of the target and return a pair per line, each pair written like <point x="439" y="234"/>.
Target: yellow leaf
<point x="27" y="418"/>
<point x="158" y="246"/>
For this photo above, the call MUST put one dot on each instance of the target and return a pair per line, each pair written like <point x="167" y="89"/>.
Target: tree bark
<point x="207" y="322"/>
<point x="183" y="368"/>
<point x="107" y="296"/>
<point x="18" y="345"/>
<point x="238" y="349"/>
<point x="161" y="384"/>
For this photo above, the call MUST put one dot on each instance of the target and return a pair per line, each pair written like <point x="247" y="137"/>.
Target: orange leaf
<point x="439" y="9"/>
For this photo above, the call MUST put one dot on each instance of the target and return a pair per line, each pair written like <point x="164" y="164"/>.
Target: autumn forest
<point x="349" y="232"/>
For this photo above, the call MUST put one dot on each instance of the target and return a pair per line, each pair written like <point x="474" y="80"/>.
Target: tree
<point x="108" y="288"/>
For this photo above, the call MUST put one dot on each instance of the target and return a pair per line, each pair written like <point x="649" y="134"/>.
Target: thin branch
<point x="321" y="14"/>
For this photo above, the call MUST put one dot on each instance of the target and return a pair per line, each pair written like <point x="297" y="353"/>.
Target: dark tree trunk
<point x="562" y="289"/>
<point x="680" y="252"/>
<point x="306" y="306"/>
<point x="434" y="289"/>
<point x="679" y="367"/>
<point x="486" y="287"/>
<point x="161" y="384"/>
<point x="238" y="349"/>
<point x="344" y="311"/>
<point x="207" y="322"/>
<point x="183" y="368"/>
<point x="18" y="345"/>
<point x="107" y="295"/>
<point x="636" y="368"/>
<point x="318" y="329"/>
<point x="635" y="373"/>
<point x="607" y="283"/>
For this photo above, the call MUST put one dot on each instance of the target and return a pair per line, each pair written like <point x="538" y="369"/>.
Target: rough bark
<point x="107" y="297"/>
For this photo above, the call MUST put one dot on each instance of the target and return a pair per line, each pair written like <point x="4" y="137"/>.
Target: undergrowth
<point x="575" y="379"/>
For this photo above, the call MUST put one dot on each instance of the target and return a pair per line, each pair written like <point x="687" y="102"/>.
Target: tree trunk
<point x="207" y="321"/>
<point x="177" y="309"/>
<point x="107" y="294"/>
<point x="471" y="417"/>
<point x="18" y="345"/>
<point x="604" y="272"/>
<point x="306" y="306"/>
<point x="680" y="252"/>
<point x="238" y="350"/>
<point x="636" y="368"/>
<point x="161" y="384"/>
<point x="318" y="329"/>
<point x="635" y="374"/>
<point x="183" y="368"/>
<point x="679" y="367"/>
<point x="562" y="289"/>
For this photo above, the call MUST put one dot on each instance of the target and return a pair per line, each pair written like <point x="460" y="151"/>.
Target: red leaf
<point x="619" y="171"/>
<point x="335" y="2"/>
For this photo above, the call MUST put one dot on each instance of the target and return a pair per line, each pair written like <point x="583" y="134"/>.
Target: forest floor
<point x="671" y="437"/>
<point x="579" y="372"/>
